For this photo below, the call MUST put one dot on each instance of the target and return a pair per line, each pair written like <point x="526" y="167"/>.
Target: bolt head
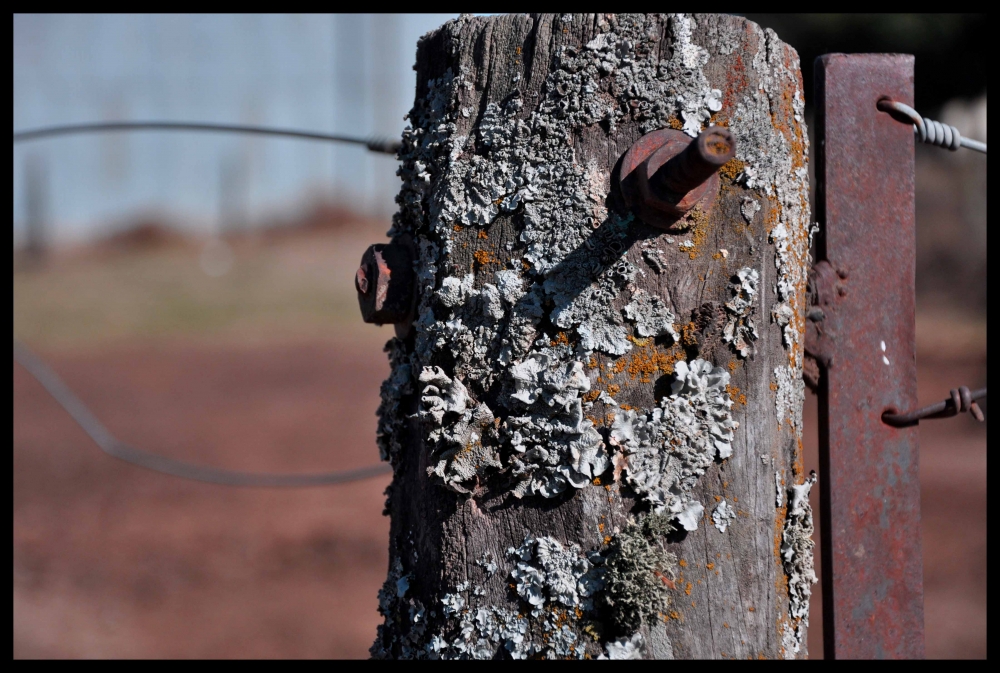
<point x="386" y="284"/>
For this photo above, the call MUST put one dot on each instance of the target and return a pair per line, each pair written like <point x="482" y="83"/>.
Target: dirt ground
<point x="269" y="369"/>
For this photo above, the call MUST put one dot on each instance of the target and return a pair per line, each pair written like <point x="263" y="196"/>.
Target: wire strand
<point x="375" y="144"/>
<point x="107" y="442"/>
<point x="927" y="130"/>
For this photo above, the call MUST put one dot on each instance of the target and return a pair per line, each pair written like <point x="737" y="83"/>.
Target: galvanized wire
<point x="107" y="442"/>
<point x="375" y="144"/>
<point x="927" y="130"/>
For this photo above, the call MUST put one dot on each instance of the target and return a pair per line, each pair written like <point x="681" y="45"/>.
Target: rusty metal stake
<point x="666" y="174"/>
<point x="870" y="493"/>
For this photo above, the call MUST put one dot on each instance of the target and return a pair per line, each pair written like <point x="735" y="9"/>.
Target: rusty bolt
<point x="385" y="284"/>
<point x="665" y="174"/>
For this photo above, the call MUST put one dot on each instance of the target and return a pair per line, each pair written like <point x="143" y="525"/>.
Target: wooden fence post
<point x="595" y="424"/>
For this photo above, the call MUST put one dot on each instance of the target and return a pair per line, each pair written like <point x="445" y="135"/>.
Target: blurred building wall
<point x="347" y="74"/>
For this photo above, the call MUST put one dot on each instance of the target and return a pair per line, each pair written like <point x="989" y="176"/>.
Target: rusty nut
<point x="385" y="283"/>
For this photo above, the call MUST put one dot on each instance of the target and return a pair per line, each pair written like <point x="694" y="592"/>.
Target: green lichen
<point x="638" y="574"/>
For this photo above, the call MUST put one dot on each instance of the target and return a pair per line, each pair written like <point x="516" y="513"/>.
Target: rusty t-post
<point x="864" y="284"/>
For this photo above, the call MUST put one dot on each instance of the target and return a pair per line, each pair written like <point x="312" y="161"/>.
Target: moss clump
<point x="638" y="574"/>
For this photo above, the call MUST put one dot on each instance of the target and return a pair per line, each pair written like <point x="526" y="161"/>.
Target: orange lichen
<point x="591" y="395"/>
<point x="682" y="563"/>
<point x="798" y="468"/>
<point x="735" y="395"/>
<point x="717" y="498"/>
<point x="482" y="234"/>
<point x="710" y="565"/>
<point x="687" y="589"/>
<point x="732" y="169"/>
<point x="646" y="360"/>
<point x="699" y="227"/>
<point x="689" y="335"/>
<point x="457" y="227"/>
<point x="484" y="257"/>
<point x="675" y="124"/>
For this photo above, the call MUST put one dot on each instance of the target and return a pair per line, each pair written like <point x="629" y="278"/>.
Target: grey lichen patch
<point x="391" y="419"/>
<point x="651" y="316"/>
<point x="749" y="208"/>
<point x="547" y="572"/>
<point x="797" y="558"/>
<point x="790" y="395"/>
<point x="774" y="161"/>
<point x="558" y="584"/>
<point x="404" y="616"/>
<point x="626" y="648"/>
<point x="554" y="446"/>
<point x="723" y="515"/>
<point x="460" y="431"/>
<point x="479" y="632"/>
<point x="671" y="446"/>
<point x="740" y="329"/>
<point x="638" y="572"/>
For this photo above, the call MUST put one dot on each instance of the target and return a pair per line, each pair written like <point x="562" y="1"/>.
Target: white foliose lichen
<point x="547" y="572"/>
<point x="797" y="558"/>
<point x="457" y="430"/>
<point x="651" y="316"/>
<point x="549" y="575"/>
<point x="669" y="448"/>
<point x="554" y="446"/>
<point x="740" y="329"/>
<point x="477" y="632"/>
<point x="723" y="515"/>
<point x="626" y="648"/>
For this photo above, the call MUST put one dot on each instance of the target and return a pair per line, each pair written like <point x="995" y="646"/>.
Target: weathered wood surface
<point x="564" y="97"/>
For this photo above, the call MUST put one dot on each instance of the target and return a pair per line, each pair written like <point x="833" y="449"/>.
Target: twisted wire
<point x="960" y="400"/>
<point x="928" y="130"/>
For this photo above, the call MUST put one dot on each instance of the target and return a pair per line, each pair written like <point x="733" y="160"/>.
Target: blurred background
<point x="196" y="290"/>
